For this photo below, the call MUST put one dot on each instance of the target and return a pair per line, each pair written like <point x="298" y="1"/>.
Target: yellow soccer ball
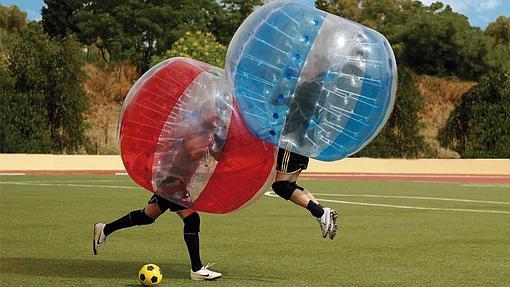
<point x="150" y="275"/>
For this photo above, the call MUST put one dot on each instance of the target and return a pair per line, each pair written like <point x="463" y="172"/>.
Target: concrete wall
<point x="62" y="163"/>
<point x="418" y="166"/>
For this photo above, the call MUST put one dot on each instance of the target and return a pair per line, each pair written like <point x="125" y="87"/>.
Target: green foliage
<point x="138" y="30"/>
<point x="429" y="39"/>
<point x="345" y="8"/>
<point x="43" y="97"/>
<point x="133" y="29"/>
<point x="438" y="41"/>
<point x="500" y="30"/>
<point x="499" y="58"/>
<point x="58" y="17"/>
<point x="230" y="18"/>
<point x="401" y="135"/>
<point x="12" y="19"/>
<point x="24" y="127"/>
<point x="480" y="125"/>
<point x="199" y="46"/>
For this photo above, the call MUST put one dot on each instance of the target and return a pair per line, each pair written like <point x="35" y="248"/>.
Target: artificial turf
<point x="46" y="235"/>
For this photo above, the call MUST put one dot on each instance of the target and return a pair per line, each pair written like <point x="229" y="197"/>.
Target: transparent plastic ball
<point x="311" y="82"/>
<point x="181" y="137"/>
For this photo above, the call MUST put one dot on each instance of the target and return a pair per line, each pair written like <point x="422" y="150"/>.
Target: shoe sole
<point x="204" y="278"/>
<point x="334" y="226"/>
<point x="94" y="240"/>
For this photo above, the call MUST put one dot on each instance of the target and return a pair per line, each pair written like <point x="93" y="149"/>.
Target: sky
<point x="479" y="12"/>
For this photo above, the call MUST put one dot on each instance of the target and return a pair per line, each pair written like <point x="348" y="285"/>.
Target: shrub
<point x="480" y="125"/>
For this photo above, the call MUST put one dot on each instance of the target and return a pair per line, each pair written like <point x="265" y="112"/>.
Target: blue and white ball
<point x="311" y="82"/>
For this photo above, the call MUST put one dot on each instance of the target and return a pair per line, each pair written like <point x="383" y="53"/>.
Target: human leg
<point x="144" y="216"/>
<point x="308" y="194"/>
<point x="327" y="219"/>
<point x="191" y="220"/>
<point x="285" y="186"/>
<point x="288" y="168"/>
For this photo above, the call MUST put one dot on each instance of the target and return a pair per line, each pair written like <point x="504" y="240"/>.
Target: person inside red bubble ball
<point x="193" y="142"/>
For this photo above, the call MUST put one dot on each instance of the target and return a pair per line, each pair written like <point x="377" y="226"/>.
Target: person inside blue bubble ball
<point x="302" y="107"/>
<point x="306" y="104"/>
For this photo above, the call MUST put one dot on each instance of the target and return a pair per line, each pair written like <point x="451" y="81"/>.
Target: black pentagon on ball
<point x="150" y="267"/>
<point x="154" y="279"/>
<point x="142" y="277"/>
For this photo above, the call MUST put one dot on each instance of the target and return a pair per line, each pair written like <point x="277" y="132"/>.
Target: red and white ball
<point x="181" y="136"/>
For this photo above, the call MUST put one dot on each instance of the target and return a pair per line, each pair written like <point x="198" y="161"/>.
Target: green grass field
<point x="442" y="234"/>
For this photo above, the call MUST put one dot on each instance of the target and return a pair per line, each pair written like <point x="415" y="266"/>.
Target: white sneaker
<point x="205" y="274"/>
<point x="99" y="237"/>
<point x="328" y="223"/>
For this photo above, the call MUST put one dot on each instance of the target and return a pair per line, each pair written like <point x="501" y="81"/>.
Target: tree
<point x="139" y="30"/>
<point x="199" y="46"/>
<point x="23" y="127"/>
<point x="401" y="136"/>
<point x="226" y="21"/>
<point x="43" y="98"/>
<point x="499" y="33"/>
<point x="12" y="19"/>
<point x="58" y="17"/>
<point x="480" y="125"/>
<point x="500" y="30"/>
<point x="349" y="9"/>
<point x="136" y="29"/>
<point x="430" y="39"/>
<point x="438" y="41"/>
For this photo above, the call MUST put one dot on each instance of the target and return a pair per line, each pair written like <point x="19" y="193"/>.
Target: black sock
<point x="193" y="244"/>
<point x="315" y="209"/>
<point x="135" y="217"/>
<point x="120" y="223"/>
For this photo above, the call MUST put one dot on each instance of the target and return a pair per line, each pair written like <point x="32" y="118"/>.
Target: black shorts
<point x="289" y="162"/>
<point x="164" y="204"/>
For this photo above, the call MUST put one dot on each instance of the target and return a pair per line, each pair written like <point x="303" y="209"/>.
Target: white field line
<point x="67" y="181"/>
<point x="387" y="175"/>
<point x="69" y="185"/>
<point x="10" y="173"/>
<point x="272" y="194"/>
<point x="486" y="185"/>
<point x="413" y="197"/>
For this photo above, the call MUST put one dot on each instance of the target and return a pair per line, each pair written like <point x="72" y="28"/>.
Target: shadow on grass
<point x="264" y="279"/>
<point x="85" y="268"/>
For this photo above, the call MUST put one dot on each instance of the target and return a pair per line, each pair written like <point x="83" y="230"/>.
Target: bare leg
<point x="185" y="213"/>
<point x="299" y="197"/>
<point x="310" y="196"/>
<point x="152" y="210"/>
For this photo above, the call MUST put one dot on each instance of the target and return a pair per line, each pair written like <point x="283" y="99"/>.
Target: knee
<point x="284" y="188"/>
<point x="138" y="217"/>
<point x="192" y="223"/>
